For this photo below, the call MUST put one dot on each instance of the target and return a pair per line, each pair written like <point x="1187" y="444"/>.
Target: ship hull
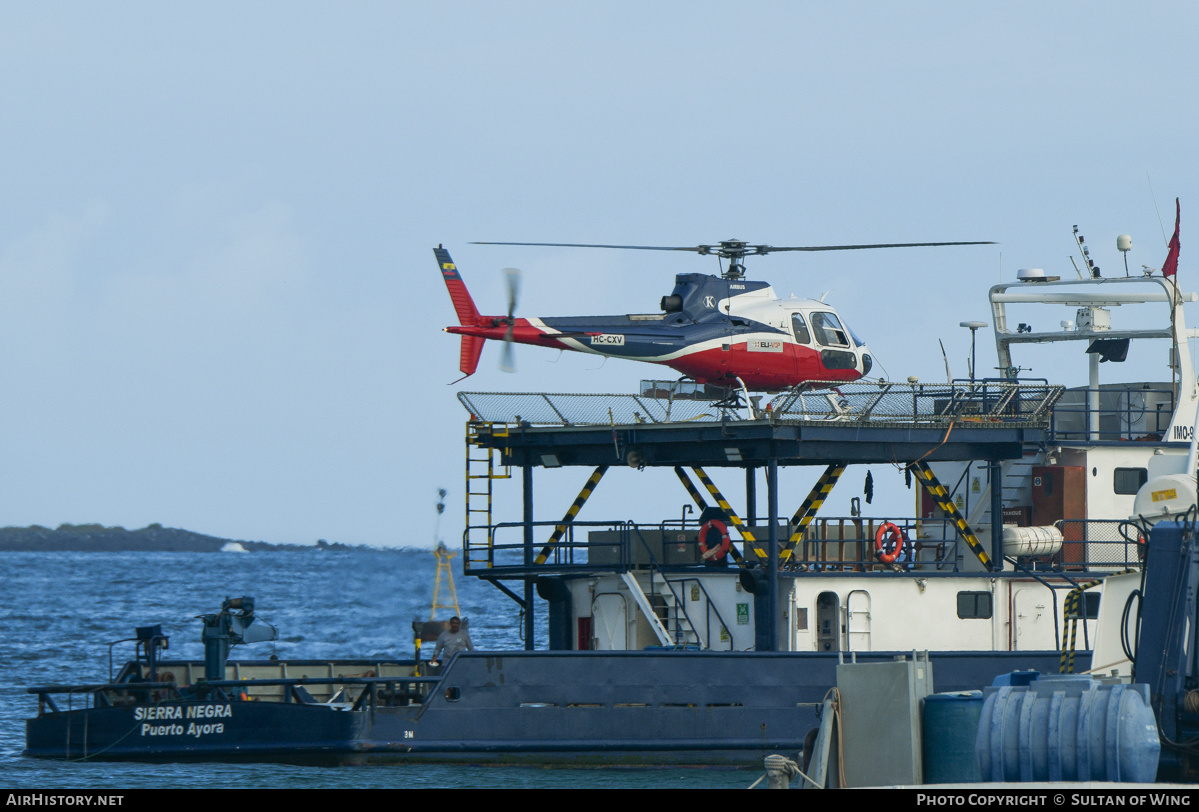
<point x="546" y="708"/>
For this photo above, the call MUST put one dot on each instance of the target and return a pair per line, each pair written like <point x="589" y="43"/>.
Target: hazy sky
<point x="219" y="307"/>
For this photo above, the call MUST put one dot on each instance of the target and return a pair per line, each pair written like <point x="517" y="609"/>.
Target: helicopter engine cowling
<point x="700" y="295"/>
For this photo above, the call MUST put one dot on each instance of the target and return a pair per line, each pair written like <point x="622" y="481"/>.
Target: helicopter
<point x="724" y="331"/>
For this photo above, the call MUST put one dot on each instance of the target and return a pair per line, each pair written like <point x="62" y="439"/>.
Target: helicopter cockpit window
<point x="828" y="330"/>
<point x="800" y="329"/>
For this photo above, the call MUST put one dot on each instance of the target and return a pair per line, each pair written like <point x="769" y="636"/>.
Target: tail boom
<point x="476" y="328"/>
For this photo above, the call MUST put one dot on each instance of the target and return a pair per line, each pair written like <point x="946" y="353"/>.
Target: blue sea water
<point x="60" y="611"/>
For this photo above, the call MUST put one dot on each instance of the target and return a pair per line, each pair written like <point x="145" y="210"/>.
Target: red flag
<point x="1171" y="265"/>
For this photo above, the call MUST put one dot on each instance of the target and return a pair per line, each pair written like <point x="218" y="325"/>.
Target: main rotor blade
<point x="736" y="248"/>
<point x="590" y="245"/>
<point x="766" y="249"/>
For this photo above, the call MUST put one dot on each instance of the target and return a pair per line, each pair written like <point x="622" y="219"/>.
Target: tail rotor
<point x="512" y="279"/>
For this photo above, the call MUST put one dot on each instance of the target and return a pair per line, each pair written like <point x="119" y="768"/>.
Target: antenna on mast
<point x="1091" y="268"/>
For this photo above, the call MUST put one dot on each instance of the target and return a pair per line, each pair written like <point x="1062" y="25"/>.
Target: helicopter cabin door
<point x="836" y="347"/>
<point x="803" y="337"/>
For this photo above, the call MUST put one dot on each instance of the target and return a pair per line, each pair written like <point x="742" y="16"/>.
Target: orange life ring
<point x="890" y="531"/>
<point x="717" y="552"/>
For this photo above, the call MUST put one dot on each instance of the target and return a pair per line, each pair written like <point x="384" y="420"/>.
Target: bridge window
<point x="800" y="329"/>
<point x="1129" y="480"/>
<point x="828" y="330"/>
<point x="974" y="605"/>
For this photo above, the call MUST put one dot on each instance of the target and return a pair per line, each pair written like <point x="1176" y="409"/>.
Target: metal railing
<point x="677" y="604"/>
<point x="829" y="544"/>
<point x="709" y="610"/>
<point x="989" y="401"/>
<point x="570" y="552"/>
<point x="562" y="409"/>
<point x="882" y="402"/>
<point x="374" y="691"/>
<point x="1139" y="412"/>
<point x="1099" y="545"/>
<point x="847" y="544"/>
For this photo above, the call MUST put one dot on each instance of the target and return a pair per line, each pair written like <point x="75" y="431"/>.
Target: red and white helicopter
<point x="724" y="331"/>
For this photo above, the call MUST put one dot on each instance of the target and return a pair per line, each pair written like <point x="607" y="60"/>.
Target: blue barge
<point x="564" y="708"/>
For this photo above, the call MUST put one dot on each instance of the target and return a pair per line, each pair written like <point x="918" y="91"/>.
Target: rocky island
<point x="153" y="538"/>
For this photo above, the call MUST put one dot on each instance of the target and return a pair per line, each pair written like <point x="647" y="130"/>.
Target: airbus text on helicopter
<point x="724" y="331"/>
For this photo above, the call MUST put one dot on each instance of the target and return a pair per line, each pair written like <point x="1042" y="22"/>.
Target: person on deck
<point x="452" y="641"/>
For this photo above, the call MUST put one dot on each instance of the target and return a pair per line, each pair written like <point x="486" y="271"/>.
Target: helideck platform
<point x="851" y="423"/>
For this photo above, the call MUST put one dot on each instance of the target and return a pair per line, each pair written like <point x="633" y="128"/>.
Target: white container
<point x="1164" y="498"/>
<point x="1025" y="541"/>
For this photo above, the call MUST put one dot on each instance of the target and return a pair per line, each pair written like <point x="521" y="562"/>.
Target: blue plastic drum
<point x="949" y="726"/>
<point x="1067" y="728"/>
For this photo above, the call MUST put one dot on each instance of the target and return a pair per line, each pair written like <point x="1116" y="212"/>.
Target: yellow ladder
<point x="481" y="472"/>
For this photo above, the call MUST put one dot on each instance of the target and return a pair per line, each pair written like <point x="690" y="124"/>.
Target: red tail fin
<point x="468" y="361"/>
<point x="463" y="304"/>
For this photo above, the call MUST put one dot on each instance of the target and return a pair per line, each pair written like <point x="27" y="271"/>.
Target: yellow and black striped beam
<point x="811" y="506"/>
<point x="727" y="508"/>
<point x="941" y="496"/>
<point x="699" y="501"/>
<point x="580" y="500"/>
<point x="691" y="489"/>
<point x="1071" y="614"/>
